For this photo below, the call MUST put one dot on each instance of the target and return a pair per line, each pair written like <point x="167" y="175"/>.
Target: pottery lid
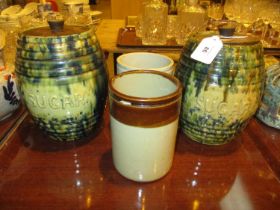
<point x="44" y="35"/>
<point x="60" y="33"/>
<point x="235" y="39"/>
<point x="68" y="30"/>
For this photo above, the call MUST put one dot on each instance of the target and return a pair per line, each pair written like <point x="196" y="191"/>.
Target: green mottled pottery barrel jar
<point x="219" y="98"/>
<point x="62" y="79"/>
<point x="269" y="111"/>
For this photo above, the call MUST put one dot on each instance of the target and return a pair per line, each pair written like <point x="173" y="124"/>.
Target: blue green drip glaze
<point x="63" y="82"/>
<point x="219" y="98"/>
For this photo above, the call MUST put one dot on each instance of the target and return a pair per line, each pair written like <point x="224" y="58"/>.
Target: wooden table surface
<point x="268" y="142"/>
<point x="9" y="122"/>
<point x="107" y="33"/>
<point x="38" y="173"/>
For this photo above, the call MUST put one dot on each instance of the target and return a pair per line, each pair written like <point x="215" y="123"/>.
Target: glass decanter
<point x="37" y="20"/>
<point x="76" y="15"/>
<point x="11" y="28"/>
<point x="192" y="18"/>
<point x="155" y="23"/>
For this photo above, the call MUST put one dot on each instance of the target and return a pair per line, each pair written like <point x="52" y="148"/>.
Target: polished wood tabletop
<point x="107" y="34"/>
<point x="9" y="122"/>
<point x="39" y="173"/>
<point x="268" y="142"/>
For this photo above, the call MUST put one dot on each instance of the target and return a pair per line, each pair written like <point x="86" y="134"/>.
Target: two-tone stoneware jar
<point x="62" y="79"/>
<point x="144" y="115"/>
<point x="220" y="97"/>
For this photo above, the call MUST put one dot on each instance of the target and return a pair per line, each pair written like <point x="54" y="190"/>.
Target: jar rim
<point x="140" y="101"/>
<point x="163" y="68"/>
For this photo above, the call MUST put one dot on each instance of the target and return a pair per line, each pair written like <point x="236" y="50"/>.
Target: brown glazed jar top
<point x="145" y="112"/>
<point x="143" y="101"/>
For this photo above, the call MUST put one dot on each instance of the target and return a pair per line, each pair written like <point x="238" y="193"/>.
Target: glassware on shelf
<point x="269" y="15"/>
<point x="11" y="20"/>
<point x="228" y="9"/>
<point x="3" y="5"/>
<point x="154" y="23"/>
<point x="172" y="26"/>
<point x="273" y="38"/>
<point x="139" y="20"/>
<point x="258" y="17"/>
<point x="11" y="26"/>
<point x="274" y="32"/>
<point x="248" y="14"/>
<point x="76" y="14"/>
<point x="138" y="26"/>
<point x="172" y="10"/>
<point x="192" y="18"/>
<point x="2" y="44"/>
<point x="232" y="9"/>
<point x="39" y="19"/>
<point x="180" y="3"/>
<point x="215" y="11"/>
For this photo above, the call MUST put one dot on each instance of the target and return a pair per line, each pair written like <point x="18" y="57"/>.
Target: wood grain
<point x="107" y="33"/>
<point x="268" y="141"/>
<point x="38" y="173"/>
<point x="7" y="124"/>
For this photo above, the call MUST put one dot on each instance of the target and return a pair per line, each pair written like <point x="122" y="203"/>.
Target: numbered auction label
<point x="207" y="49"/>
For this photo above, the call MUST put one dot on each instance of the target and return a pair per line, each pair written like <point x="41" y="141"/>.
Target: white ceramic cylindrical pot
<point x="144" y="60"/>
<point x="144" y="111"/>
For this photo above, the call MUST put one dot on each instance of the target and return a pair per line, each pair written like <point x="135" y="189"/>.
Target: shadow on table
<point x="186" y="145"/>
<point x="35" y="139"/>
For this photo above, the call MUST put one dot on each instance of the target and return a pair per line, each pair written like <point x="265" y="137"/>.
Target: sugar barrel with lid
<point x="269" y="111"/>
<point x="62" y="78"/>
<point x="219" y="98"/>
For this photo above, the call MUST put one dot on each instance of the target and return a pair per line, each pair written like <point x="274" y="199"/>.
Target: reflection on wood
<point x="37" y="172"/>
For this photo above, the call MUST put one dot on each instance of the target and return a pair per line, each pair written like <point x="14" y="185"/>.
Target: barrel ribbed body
<point x="269" y="111"/>
<point x="63" y="80"/>
<point x="219" y="98"/>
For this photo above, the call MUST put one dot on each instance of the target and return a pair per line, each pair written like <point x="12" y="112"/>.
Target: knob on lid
<point x="227" y="28"/>
<point x="55" y="21"/>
